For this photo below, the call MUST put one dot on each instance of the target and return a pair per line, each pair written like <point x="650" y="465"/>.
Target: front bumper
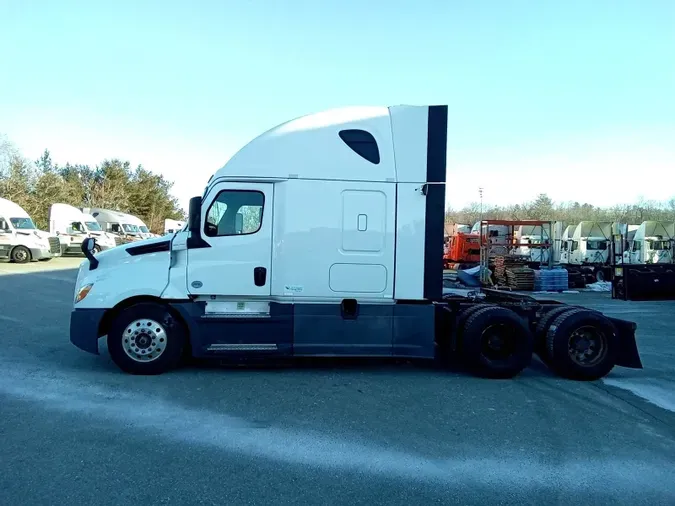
<point x="40" y="253"/>
<point x="84" y="325"/>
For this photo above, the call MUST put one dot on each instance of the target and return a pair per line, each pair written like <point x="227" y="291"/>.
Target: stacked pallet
<point x="504" y="263"/>
<point x="520" y="278"/>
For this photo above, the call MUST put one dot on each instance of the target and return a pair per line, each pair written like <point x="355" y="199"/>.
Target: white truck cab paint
<point x="20" y="240"/>
<point x="321" y="237"/>
<point x="72" y="226"/>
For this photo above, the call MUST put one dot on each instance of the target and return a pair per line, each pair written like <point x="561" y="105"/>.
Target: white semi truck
<point x="323" y="237"/>
<point x="587" y="248"/>
<point x="72" y="226"/>
<point x="171" y="226"/>
<point x="652" y="243"/>
<point x="20" y="240"/>
<point x="117" y="223"/>
<point x="143" y="229"/>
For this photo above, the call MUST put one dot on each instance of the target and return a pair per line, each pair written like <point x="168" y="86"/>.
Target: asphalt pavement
<point x="74" y="430"/>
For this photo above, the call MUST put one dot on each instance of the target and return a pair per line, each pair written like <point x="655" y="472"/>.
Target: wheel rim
<point x="600" y="276"/>
<point x="587" y="346"/>
<point x="20" y="255"/>
<point x="144" y="340"/>
<point x="498" y="342"/>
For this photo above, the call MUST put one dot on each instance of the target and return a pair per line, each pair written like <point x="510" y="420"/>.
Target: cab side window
<point x="235" y="212"/>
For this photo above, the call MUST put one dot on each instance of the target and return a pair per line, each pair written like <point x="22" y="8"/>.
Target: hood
<point x="42" y="234"/>
<point x="121" y="250"/>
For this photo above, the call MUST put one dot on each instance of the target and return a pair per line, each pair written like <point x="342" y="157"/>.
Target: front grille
<point x="54" y="246"/>
<point x="118" y="240"/>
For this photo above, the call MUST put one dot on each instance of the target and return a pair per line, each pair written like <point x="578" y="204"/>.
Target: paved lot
<point x="74" y="430"/>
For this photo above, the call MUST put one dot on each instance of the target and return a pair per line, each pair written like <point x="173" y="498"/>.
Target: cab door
<point x="235" y="256"/>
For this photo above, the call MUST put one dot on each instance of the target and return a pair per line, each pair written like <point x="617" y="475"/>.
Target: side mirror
<point x="87" y="247"/>
<point x="195" y="215"/>
<point x="238" y="223"/>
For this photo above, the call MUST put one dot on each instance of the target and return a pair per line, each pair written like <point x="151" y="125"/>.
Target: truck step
<point x="242" y="347"/>
<point x="209" y="316"/>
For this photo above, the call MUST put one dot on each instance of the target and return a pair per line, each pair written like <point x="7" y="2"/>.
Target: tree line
<point x="113" y="184"/>
<point x="543" y="208"/>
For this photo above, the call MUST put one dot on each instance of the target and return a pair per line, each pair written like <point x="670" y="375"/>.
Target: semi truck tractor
<point x="653" y="243"/>
<point x="586" y="248"/>
<point x="72" y="226"/>
<point x="323" y="237"/>
<point x="121" y="225"/>
<point x="20" y="240"/>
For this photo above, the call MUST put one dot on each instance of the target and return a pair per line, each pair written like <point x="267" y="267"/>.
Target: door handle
<point x="259" y="276"/>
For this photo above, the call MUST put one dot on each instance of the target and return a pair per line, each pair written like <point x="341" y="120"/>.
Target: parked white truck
<point x="72" y="226"/>
<point x="171" y="226"/>
<point x="20" y="240"/>
<point x="143" y="229"/>
<point x="323" y="237"/>
<point x="587" y="247"/>
<point x="120" y="224"/>
<point x="534" y="243"/>
<point x="652" y="243"/>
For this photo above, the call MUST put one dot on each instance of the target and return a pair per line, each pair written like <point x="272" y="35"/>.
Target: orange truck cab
<point x="462" y="248"/>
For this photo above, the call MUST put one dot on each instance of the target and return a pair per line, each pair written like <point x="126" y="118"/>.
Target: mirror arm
<point x="93" y="261"/>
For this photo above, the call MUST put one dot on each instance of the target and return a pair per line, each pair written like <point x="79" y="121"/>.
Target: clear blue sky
<point x="538" y="91"/>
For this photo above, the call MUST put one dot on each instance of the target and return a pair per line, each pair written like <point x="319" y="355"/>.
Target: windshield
<point x="22" y="223"/>
<point x="659" y="245"/>
<point x="601" y="245"/>
<point x="144" y="229"/>
<point x="93" y="226"/>
<point x="130" y="229"/>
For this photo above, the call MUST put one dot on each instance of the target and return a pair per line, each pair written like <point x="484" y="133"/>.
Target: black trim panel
<point x="144" y="249"/>
<point x="437" y="145"/>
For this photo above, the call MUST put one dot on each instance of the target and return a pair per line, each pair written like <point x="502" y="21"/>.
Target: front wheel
<point x="21" y="255"/>
<point x="146" y="338"/>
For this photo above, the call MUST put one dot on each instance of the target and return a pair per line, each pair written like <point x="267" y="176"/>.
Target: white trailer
<point x="652" y="243"/>
<point x="323" y="237"/>
<point x="20" y="240"/>
<point x="72" y="226"/>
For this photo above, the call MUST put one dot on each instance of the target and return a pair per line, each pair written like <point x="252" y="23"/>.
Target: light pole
<point x="480" y="194"/>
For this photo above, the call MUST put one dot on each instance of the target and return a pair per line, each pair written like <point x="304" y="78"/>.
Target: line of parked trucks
<point x="21" y="241"/>
<point x="589" y="247"/>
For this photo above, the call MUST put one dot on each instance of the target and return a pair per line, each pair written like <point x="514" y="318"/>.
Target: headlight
<point x="83" y="292"/>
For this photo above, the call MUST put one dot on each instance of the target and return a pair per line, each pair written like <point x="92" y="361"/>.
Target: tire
<point x="21" y="255"/>
<point x="599" y="275"/>
<point x="542" y="328"/>
<point x="511" y="348"/>
<point x="581" y="325"/>
<point x="136" y="336"/>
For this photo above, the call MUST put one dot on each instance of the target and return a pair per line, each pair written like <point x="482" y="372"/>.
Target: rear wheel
<point x="581" y="345"/>
<point x="541" y="330"/>
<point x="21" y="255"/>
<point x="146" y="338"/>
<point x="495" y="343"/>
<point x="599" y="274"/>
